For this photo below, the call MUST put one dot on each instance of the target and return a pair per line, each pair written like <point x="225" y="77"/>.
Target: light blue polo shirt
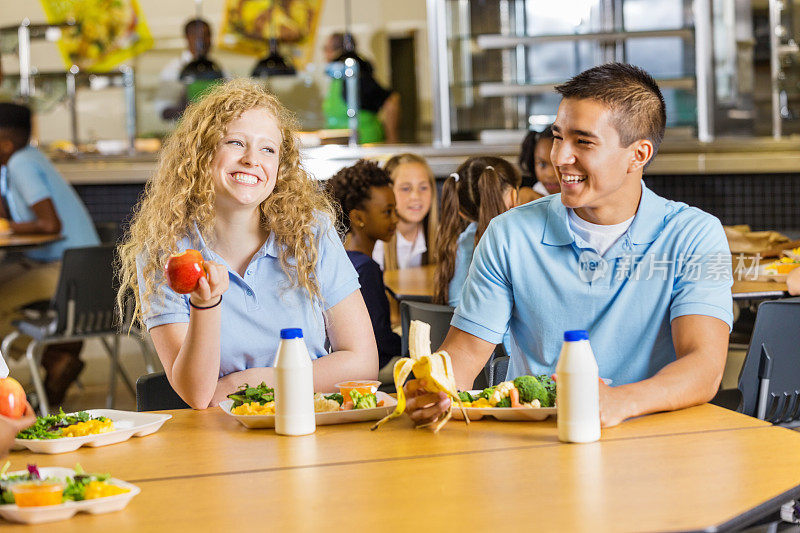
<point x="257" y="306"/>
<point x="532" y="276"/>
<point x="30" y="178"/>
<point x="464" y="250"/>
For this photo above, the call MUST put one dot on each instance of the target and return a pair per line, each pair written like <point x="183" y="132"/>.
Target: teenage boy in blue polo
<point x="648" y="278"/>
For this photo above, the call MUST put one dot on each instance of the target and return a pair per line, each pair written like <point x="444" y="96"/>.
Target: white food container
<point x="322" y="419"/>
<point x="127" y="424"/>
<point x="52" y="513"/>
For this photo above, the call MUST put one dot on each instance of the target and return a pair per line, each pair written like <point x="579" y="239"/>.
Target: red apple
<point x="12" y="398"/>
<point x="184" y="270"/>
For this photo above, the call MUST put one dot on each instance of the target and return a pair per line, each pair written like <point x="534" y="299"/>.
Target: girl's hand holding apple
<point x="211" y="286"/>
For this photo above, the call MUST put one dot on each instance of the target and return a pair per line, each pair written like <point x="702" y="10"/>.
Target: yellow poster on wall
<point x="105" y="34"/>
<point x="248" y="25"/>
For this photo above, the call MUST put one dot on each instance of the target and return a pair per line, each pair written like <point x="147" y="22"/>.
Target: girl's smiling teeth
<point x="572" y="178"/>
<point x="243" y="178"/>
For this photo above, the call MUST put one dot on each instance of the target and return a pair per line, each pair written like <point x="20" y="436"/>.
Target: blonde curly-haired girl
<point x="229" y="183"/>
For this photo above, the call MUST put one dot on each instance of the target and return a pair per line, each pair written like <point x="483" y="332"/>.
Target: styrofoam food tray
<point x="508" y="414"/>
<point x="127" y="424"/>
<point x="51" y="513"/>
<point x="322" y="419"/>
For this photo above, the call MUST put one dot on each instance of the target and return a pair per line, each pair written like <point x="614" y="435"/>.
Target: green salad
<point x="50" y="426"/>
<point x="247" y="394"/>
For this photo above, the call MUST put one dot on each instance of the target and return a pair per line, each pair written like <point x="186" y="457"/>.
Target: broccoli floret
<point x="530" y="388"/>
<point x="363" y="401"/>
<point x="505" y="402"/>
<point x="550" y="385"/>
<point x="335" y="396"/>
<point x="487" y="393"/>
<point x="464" y="396"/>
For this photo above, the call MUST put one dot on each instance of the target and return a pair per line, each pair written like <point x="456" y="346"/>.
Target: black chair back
<point x="439" y="317"/>
<point x="154" y="393"/>
<point x="499" y="368"/>
<point x="85" y="298"/>
<point x="770" y="377"/>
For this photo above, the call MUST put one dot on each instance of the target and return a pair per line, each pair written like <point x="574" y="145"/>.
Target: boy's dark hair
<point x="526" y="158"/>
<point x="631" y="93"/>
<point x="15" y="120"/>
<point x="195" y="23"/>
<point x="350" y="187"/>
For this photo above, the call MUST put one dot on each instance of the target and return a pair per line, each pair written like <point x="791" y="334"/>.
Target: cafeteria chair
<point x="84" y="306"/>
<point x="499" y="367"/>
<point x="769" y="382"/>
<point x="154" y="393"/>
<point x="439" y="316"/>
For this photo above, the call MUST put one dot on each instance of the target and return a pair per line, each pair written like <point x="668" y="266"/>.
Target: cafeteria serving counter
<point x="676" y="157"/>
<point x="752" y="181"/>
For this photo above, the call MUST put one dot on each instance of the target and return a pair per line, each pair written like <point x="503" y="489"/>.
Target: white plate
<point x="51" y="513"/>
<point x="508" y="414"/>
<point x="127" y="424"/>
<point x="323" y="419"/>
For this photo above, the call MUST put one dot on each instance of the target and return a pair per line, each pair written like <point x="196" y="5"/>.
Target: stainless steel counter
<point x="676" y="157"/>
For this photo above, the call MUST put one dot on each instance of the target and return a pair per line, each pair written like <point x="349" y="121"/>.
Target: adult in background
<point x="175" y="89"/>
<point x="36" y="199"/>
<point x="379" y="113"/>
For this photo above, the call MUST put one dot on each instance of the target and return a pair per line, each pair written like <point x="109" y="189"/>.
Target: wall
<point x="101" y="113"/>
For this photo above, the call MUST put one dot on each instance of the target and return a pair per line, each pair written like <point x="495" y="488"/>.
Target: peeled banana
<point x="436" y="369"/>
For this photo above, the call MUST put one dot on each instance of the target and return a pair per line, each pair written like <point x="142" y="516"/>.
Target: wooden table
<point x="18" y="242"/>
<point x="695" y="469"/>
<point x="414" y="282"/>
<point x="417" y="283"/>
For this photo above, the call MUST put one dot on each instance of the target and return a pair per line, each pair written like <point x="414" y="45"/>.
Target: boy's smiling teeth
<point x="247" y="179"/>
<point x="571" y="178"/>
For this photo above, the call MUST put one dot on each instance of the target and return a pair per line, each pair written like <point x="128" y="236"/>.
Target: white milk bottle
<point x="577" y="390"/>
<point x="294" y="386"/>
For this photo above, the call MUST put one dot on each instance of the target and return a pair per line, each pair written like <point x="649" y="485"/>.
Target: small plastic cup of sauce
<point x="37" y="493"/>
<point x="363" y="386"/>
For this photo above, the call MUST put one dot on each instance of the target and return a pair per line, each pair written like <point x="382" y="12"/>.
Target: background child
<point x="364" y="192"/>
<point x="229" y="183"/>
<point x="37" y="199"/>
<point x="414" y="242"/>
<point x="481" y="189"/>
<point x="539" y="176"/>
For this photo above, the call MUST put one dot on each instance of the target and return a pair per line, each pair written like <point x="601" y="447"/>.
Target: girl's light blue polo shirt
<point x="464" y="251"/>
<point x="533" y="277"/>
<point x="257" y="306"/>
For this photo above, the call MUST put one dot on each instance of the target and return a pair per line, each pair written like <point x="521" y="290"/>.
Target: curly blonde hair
<point x="181" y="194"/>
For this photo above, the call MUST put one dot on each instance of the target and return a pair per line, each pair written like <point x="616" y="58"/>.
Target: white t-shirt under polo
<point x="599" y="237"/>
<point x="409" y="253"/>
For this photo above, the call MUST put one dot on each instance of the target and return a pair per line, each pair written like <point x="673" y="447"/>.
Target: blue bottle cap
<point x="576" y="335"/>
<point x="292" y="333"/>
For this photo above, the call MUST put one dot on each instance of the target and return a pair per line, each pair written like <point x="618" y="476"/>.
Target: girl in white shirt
<point x="414" y="242"/>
